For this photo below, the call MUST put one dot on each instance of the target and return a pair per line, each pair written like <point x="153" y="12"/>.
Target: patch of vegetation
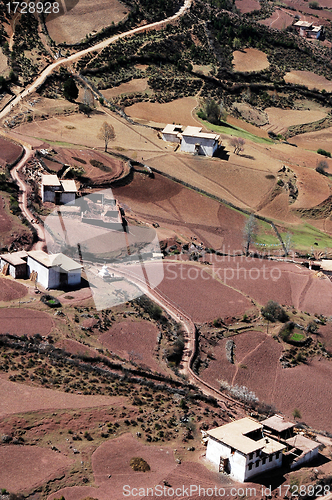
<point x="292" y="334"/>
<point x="323" y="152"/>
<point x="100" y="165"/>
<point x="139" y="464"/>
<point x="50" y="301"/>
<point x="274" y="312"/>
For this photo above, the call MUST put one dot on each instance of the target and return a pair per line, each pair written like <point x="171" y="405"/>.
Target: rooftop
<point x="196" y="132"/>
<point x="15" y="258"/>
<point x="54" y="260"/>
<point x="69" y="186"/>
<point x="172" y="129"/>
<point x="325" y="265"/>
<point x="277" y="423"/>
<point x="50" y="180"/>
<point x="303" y="24"/>
<point x="302" y="443"/>
<point x="234" y="435"/>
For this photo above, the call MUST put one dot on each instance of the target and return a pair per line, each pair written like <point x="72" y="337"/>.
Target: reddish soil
<point x="97" y="175"/>
<point x="265" y="280"/>
<point x="19" y="398"/>
<point x="171" y="206"/>
<point x="27" y="467"/>
<point x="258" y="368"/>
<point x="25" y="322"/>
<point x="281" y="119"/>
<point x="82" y="18"/>
<point x="315" y="140"/>
<point x="178" y="111"/>
<point x="135" y="85"/>
<point x="10" y="290"/>
<point x="110" y="463"/>
<point x="279" y="20"/>
<point x="200" y="296"/>
<point x="249" y="60"/>
<point x="245" y="6"/>
<point x="309" y="79"/>
<point x="74" y="347"/>
<point x="9" y="151"/>
<point x="5" y="222"/>
<point x="135" y="340"/>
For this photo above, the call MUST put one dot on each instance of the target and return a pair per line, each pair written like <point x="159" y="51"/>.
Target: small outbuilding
<point x="58" y="191"/>
<point x="14" y="264"/>
<point x="172" y="133"/>
<point x="301" y="450"/>
<point x="278" y="427"/>
<point x="53" y="271"/>
<point x="197" y="142"/>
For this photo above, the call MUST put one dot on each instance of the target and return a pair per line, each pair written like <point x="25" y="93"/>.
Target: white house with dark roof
<point x="241" y="449"/>
<point x="58" y="191"/>
<point x="54" y="271"/>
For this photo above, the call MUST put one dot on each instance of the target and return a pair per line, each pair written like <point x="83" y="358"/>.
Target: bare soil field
<point x="74" y="347"/>
<point x="11" y="290"/>
<point x="11" y="228"/>
<point x="171" y="206"/>
<point x="315" y="140"/>
<point x="264" y="280"/>
<point x="20" y="321"/>
<point x="82" y="18"/>
<point x="81" y="158"/>
<point x="249" y="60"/>
<point x="110" y="463"/>
<point x="80" y="130"/>
<point x="281" y="119"/>
<point x="307" y="14"/>
<point x="279" y="20"/>
<point x="178" y="111"/>
<point x="27" y="467"/>
<point x="199" y="295"/>
<point x="308" y="79"/>
<point x="257" y="367"/>
<point x="9" y="151"/>
<point x="313" y="187"/>
<point x="136" y="340"/>
<point x="135" y="85"/>
<point x="4" y="69"/>
<point x="245" y="6"/>
<point x="21" y="398"/>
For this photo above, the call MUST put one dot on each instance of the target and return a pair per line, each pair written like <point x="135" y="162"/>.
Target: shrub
<point x="286" y="331"/>
<point x="322" y="167"/>
<point x="139" y="464"/>
<point x="314" y="5"/>
<point x="274" y="312"/>
<point x="323" y="152"/>
<point x="296" y="413"/>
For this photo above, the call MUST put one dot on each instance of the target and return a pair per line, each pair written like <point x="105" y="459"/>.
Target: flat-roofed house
<point x="172" y="133"/>
<point x="241" y="449"/>
<point x="54" y="271"/>
<point x="278" y="426"/>
<point x="197" y="142"/>
<point x="58" y="191"/>
<point x="14" y="264"/>
<point x="308" y="30"/>
<point x="302" y="450"/>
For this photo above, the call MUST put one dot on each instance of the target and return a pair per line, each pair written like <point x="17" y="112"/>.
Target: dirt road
<point x="99" y="46"/>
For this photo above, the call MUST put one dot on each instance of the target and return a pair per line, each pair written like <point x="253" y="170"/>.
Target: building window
<point x="264" y="460"/>
<point x="270" y="458"/>
<point x="251" y="455"/>
<point x="277" y="454"/>
<point x="250" y="466"/>
<point x="257" y="463"/>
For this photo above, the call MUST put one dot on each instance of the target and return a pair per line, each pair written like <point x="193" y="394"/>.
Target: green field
<point x="234" y="131"/>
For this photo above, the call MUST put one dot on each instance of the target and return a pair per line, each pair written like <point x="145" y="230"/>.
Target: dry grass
<point x="250" y="60"/>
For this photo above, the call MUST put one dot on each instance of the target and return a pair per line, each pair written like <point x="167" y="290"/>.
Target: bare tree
<point x="322" y="167"/>
<point x="249" y="232"/>
<point x="288" y="243"/>
<point x="88" y="98"/>
<point x="106" y="133"/>
<point x="238" y="144"/>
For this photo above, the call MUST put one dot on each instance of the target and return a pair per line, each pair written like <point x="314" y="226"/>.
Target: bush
<point x="314" y="5"/>
<point x="139" y="464"/>
<point x="323" y="152"/>
<point x="274" y="312"/>
<point x="322" y="167"/>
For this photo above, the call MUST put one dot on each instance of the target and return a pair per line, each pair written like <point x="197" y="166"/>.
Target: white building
<point x="197" y="142"/>
<point x="58" y="191"/>
<point x="241" y="449"/>
<point x="172" y="133"/>
<point x="302" y="450"/>
<point x="54" y="271"/>
<point x="14" y="264"/>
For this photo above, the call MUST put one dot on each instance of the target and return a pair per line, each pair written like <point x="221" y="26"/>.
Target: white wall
<point x="47" y="277"/>
<point x="67" y="198"/>
<point x="275" y="462"/>
<point x="74" y="278"/>
<point x="305" y="458"/>
<point x="207" y="146"/>
<point x="171" y="138"/>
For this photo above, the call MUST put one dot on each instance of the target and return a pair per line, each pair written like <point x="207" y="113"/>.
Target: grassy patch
<point x="307" y="237"/>
<point x="231" y="130"/>
<point x="297" y="337"/>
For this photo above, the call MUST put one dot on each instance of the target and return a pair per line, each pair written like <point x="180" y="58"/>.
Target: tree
<point x="296" y="413"/>
<point x="249" y="232"/>
<point x="322" y="167"/>
<point x="238" y="144"/>
<point x="288" y="243"/>
<point x="88" y="98"/>
<point x="274" y="312"/>
<point x="106" y="134"/>
<point x="70" y="90"/>
<point x="212" y="111"/>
